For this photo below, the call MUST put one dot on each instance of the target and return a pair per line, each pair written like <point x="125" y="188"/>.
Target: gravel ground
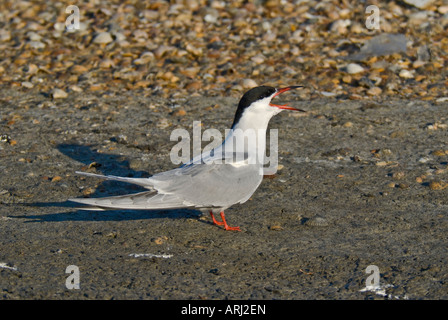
<point x="362" y="179"/>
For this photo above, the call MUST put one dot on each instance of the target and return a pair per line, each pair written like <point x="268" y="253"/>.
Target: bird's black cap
<point x="250" y="97"/>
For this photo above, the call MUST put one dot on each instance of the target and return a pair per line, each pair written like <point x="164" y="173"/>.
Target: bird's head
<point x="256" y="103"/>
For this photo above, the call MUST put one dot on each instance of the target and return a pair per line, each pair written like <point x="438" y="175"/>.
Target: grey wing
<point x="210" y="185"/>
<point x="193" y="185"/>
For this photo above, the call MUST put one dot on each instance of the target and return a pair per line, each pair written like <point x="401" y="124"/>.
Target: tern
<point x="217" y="179"/>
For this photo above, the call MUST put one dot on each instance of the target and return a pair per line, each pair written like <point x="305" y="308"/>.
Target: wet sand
<point x="361" y="183"/>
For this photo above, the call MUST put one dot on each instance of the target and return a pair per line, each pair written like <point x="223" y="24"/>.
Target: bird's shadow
<point x="110" y="164"/>
<point x="107" y="215"/>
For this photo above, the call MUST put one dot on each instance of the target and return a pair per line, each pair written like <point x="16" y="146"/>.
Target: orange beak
<point x="285" y="107"/>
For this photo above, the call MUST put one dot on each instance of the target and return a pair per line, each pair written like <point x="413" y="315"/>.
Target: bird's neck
<point x="249" y="134"/>
<point x="255" y="119"/>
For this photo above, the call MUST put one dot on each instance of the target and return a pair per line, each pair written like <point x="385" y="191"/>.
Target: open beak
<point x="285" y="107"/>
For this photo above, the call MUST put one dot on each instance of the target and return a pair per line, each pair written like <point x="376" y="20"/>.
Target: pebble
<point x="249" y="83"/>
<point x="403" y="186"/>
<point x="443" y="9"/>
<point x="419" y="18"/>
<point x="374" y="91"/>
<point x="119" y="37"/>
<point x="383" y="44"/>
<point x="33" y="36"/>
<point x="190" y="72"/>
<point x="354" y="68"/>
<point x="5" y="138"/>
<point x="5" y="35"/>
<point x="27" y="84"/>
<point x="180" y="113"/>
<point x="107" y="63"/>
<point x="79" y="69"/>
<point x="210" y="18"/>
<point x="75" y="88"/>
<point x="327" y="94"/>
<point x="160" y="240"/>
<point x="59" y="94"/>
<point x="406" y="74"/>
<point x="194" y="86"/>
<point x="161" y="50"/>
<point x="436" y="126"/>
<point x="418" y="63"/>
<point x="398" y="175"/>
<point x="103" y="38"/>
<point x="347" y="79"/>
<point x="423" y="53"/>
<point x="317" y="222"/>
<point x="437" y="185"/>
<point x="258" y="59"/>
<point x="194" y="50"/>
<point x="59" y="26"/>
<point x="144" y="58"/>
<point x="237" y="88"/>
<point x="424" y="159"/>
<point x="56" y="179"/>
<point x="439" y="153"/>
<point x="88" y="191"/>
<point x="340" y="26"/>
<point x="421" y="4"/>
<point x="391" y="185"/>
<point x="36" y="44"/>
<point x="163" y="123"/>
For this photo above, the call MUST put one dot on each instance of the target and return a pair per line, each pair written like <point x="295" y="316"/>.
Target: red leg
<point x="218" y="223"/>
<point x="226" y="226"/>
<point x="223" y="222"/>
